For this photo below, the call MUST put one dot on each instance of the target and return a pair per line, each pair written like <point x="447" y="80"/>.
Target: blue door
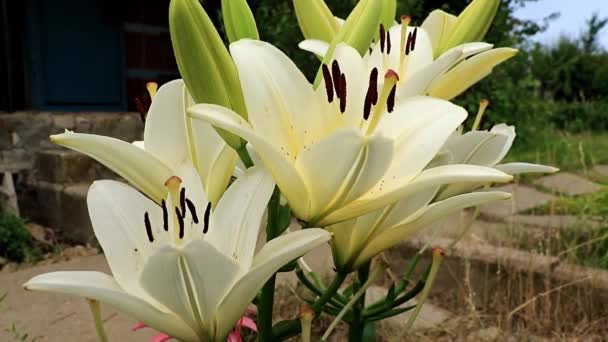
<point x="76" y="54"/>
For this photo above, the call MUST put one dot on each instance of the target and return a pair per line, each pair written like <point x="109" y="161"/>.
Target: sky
<point x="574" y="13"/>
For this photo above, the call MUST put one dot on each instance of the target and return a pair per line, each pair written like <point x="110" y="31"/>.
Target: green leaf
<point x="204" y="62"/>
<point x="239" y="20"/>
<point x="316" y="20"/>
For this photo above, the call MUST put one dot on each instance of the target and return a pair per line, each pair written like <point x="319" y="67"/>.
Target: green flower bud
<point x="204" y="62"/>
<point x="316" y="20"/>
<point x="358" y="30"/>
<point x="239" y="20"/>
<point x="389" y="12"/>
<point x="473" y="23"/>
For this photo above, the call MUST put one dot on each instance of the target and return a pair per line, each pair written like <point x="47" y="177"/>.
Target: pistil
<point x="483" y="105"/>
<point x="173" y="185"/>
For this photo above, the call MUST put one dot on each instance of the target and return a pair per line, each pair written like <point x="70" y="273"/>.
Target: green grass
<point x="567" y="151"/>
<point x="576" y="153"/>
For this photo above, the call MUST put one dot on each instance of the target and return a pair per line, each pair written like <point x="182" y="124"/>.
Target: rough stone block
<point x="64" y="166"/>
<point x="63" y="121"/>
<point x="29" y="129"/>
<point x="568" y="183"/>
<point x="76" y="224"/>
<point x="524" y="198"/>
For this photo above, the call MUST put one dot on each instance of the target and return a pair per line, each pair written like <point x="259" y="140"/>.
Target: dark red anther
<point x="413" y="42"/>
<point x="408" y="44"/>
<point x="382" y="38"/>
<point x="206" y="218"/>
<point x="329" y="87"/>
<point x="390" y="102"/>
<point x="388" y="42"/>
<point x="342" y="93"/>
<point x="335" y="75"/>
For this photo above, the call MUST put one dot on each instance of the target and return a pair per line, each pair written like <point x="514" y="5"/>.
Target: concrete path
<point x="58" y="318"/>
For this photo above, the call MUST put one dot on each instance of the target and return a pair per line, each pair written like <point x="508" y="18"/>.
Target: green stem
<point x="330" y="292"/>
<point x="265" y="310"/>
<point x="96" y="311"/>
<point x="245" y="157"/>
<point x="355" y="332"/>
<point x="287" y="329"/>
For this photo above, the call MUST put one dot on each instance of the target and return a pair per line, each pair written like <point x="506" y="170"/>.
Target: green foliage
<point x="16" y="243"/>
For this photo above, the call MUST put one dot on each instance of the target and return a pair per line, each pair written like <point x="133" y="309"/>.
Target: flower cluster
<point x="363" y="158"/>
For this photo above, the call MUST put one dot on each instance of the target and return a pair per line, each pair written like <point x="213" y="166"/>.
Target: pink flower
<point x="234" y="336"/>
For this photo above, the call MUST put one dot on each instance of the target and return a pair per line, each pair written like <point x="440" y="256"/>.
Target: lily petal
<point x="190" y="282"/>
<point x="281" y="103"/>
<point x="478" y="148"/>
<point x="274" y="255"/>
<point x="165" y="132"/>
<point x="420" y="126"/>
<point x="418" y="82"/>
<point x="509" y="133"/>
<point x="318" y="47"/>
<point x="102" y="287"/>
<point x="394" y="235"/>
<point x="518" y="168"/>
<point x="327" y="166"/>
<point x="238" y="216"/>
<point x="123" y="158"/>
<point x="284" y="173"/>
<point x="427" y="179"/>
<point x="117" y="214"/>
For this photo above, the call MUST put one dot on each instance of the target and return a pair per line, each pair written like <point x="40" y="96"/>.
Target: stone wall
<point x="52" y="181"/>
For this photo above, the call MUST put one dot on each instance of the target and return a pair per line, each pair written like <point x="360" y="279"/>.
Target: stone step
<point x="61" y="207"/>
<point x="64" y="166"/>
<point x="511" y="283"/>
<point x="524" y="198"/>
<point x="568" y="184"/>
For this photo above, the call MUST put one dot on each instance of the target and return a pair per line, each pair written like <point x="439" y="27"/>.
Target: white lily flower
<point x="181" y="268"/>
<point x="358" y="240"/>
<point x="410" y="51"/>
<point x="171" y="140"/>
<point x="345" y="149"/>
<point x="485" y="148"/>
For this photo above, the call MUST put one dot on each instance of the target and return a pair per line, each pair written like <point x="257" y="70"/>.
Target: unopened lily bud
<point x="204" y="61"/>
<point x="473" y="23"/>
<point x="239" y="20"/>
<point x="316" y="20"/>
<point x="358" y="31"/>
<point x="389" y="12"/>
<point x="438" y="25"/>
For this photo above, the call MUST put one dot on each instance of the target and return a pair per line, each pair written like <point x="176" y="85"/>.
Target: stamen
<point x="148" y="227"/>
<point x="483" y="105"/>
<point x="408" y="44"/>
<point x="390" y="102"/>
<point x="390" y="81"/>
<point x="206" y="218"/>
<point x="372" y="93"/>
<point x="388" y="42"/>
<point x="192" y="209"/>
<point x="342" y="93"/>
<point x="405" y="22"/>
<point x="335" y="74"/>
<point x="329" y="87"/>
<point x="182" y="201"/>
<point x="165" y="216"/>
<point x="180" y="221"/>
<point x="413" y="42"/>
<point x="382" y="38"/>
<point x="152" y="88"/>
